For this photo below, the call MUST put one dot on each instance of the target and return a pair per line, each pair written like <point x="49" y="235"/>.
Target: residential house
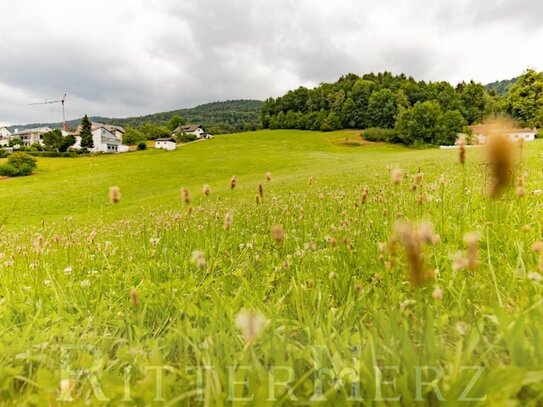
<point x="32" y="136"/>
<point x="105" y="141"/>
<point x="480" y="132"/>
<point x="106" y="138"/>
<point x="116" y="130"/>
<point x="166" y="143"/>
<point x="5" y="136"/>
<point x="195" y="129"/>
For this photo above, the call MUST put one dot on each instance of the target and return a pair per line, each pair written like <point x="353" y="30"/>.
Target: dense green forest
<point x="218" y="117"/>
<point x="416" y="112"/>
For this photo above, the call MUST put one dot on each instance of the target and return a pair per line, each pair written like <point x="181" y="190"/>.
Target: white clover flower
<point x="251" y="324"/>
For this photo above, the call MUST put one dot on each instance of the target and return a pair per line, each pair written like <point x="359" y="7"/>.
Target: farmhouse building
<point x="165" y="143"/>
<point x="195" y="129"/>
<point x="480" y="133"/>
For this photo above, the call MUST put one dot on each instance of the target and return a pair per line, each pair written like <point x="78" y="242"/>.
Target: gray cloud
<point x="135" y="57"/>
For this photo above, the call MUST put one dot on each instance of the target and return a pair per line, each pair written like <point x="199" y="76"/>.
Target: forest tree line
<point x="413" y="112"/>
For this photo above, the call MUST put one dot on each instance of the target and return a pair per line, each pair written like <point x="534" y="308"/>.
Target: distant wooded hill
<point x="217" y="117"/>
<point x="501" y="87"/>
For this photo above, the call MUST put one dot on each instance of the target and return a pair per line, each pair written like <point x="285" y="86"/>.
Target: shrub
<point x="3" y="153"/>
<point x="19" y="159"/>
<point x="186" y="137"/>
<point x="379" y="134"/>
<point x="539" y="134"/>
<point x="7" y="170"/>
<point x="19" y="164"/>
<point x="142" y="145"/>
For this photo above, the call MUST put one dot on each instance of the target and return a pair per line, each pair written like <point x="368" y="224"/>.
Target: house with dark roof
<point x="195" y="129"/>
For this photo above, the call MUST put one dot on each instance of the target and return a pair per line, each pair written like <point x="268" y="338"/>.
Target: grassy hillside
<point x="78" y="187"/>
<point x="218" y="117"/>
<point x="314" y="284"/>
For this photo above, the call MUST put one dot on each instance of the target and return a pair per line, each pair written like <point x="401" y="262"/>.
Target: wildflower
<point x="332" y="275"/>
<point x="462" y="328"/>
<point x="250" y="324"/>
<point x="535" y="276"/>
<point x="114" y="194"/>
<point x="396" y="175"/>
<point x="521" y="192"/>
<point x="277" y="233"/>
<point x="437" y="294"/>
<point x="154" y="241"/>
<point x="538" y="246"/>
<point x="65" y="389"/>
<point x="257" y="199"/>
<point x="85" y="283"/>
<point x="260" y="190"/>
<point x="46" y="282"/>
<point x="358" y="287"/>
<point x="206" y="190"/>
<point x="268" y="176"/>
<point x="68" y="270"/>
<point x="526" y="228"/>
<point x="185" y="195"/>
<point x="233" y="182"/>
<point x="134" y="297"/>
<point x="310" y="181"/>
<point x="228" y="220"/>
<point x="198" y="259"/>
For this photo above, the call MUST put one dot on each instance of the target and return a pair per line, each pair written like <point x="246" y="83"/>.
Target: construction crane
<point x="61" y="101"/>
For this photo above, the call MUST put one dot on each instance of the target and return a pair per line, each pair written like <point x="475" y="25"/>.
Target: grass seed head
<point x="268" y="176"/>
<point x="134" y="297"/>
<point x="500" y="158"/>
<point x="413" y="239"/>
<point x="277" y="233"/>
<point x="185" y="195"/>
<point x="114" y="194"/>
<point x="233" y="182"/>
<point x="206" y="190"/>
<point x="261" y="190"/>
<point x="228" y="220"/>
<point x="396" y="175"/>
<point x="461" y="148"/>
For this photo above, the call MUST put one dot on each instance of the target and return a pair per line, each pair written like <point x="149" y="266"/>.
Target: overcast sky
<point x="121" y="58"/>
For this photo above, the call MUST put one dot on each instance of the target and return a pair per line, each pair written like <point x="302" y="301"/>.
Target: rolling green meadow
<point x="329" y="271"/>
